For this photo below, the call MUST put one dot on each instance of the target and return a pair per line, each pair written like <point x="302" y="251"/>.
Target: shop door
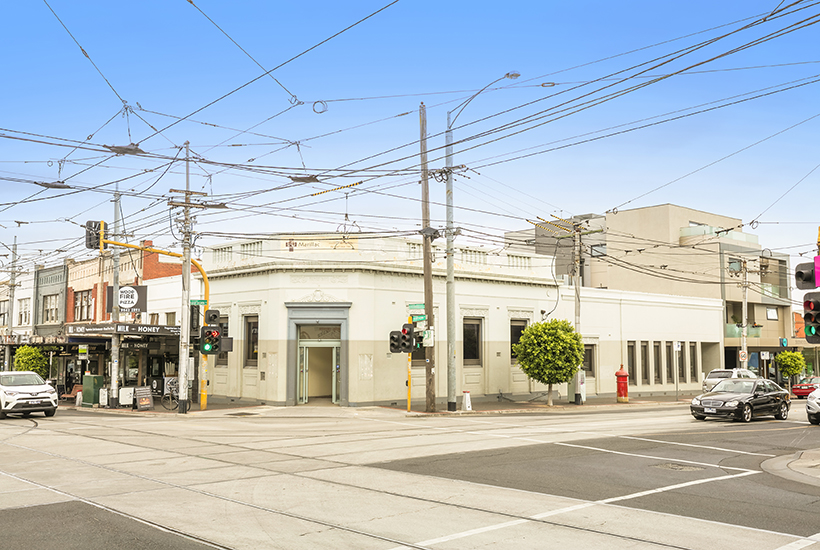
<point x="319" y="372"/>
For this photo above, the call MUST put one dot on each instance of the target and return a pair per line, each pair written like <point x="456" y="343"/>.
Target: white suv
<point x="25" y="392"/>
<point x="717" y="375"/>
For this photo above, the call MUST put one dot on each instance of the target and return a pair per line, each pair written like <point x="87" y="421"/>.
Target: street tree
<point x="31" y="358"/>
<point x="550" y="352"/>
<point x="790" y="363"/>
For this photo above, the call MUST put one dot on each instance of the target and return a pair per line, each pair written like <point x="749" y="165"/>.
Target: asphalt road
<point x="326" y="477"/>
<point x="597" y="469"/>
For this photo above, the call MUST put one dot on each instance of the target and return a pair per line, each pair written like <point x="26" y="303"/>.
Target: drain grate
<point x="242" y="414"/>
<point x="678" y="467"/>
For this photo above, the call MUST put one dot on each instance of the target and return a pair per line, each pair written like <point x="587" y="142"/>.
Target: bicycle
<point x="170" y="400"/>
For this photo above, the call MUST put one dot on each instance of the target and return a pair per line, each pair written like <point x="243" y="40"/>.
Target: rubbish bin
<point x="91" y="389"/>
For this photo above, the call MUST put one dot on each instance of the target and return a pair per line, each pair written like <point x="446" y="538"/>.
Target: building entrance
<point x="319" y="363"/>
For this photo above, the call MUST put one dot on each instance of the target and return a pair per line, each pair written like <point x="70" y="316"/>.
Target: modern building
<point x="669" y="249"/>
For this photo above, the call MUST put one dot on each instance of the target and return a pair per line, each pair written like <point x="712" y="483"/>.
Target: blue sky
<point x="166" y="58"/>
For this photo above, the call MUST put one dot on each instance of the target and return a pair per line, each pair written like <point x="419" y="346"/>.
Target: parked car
<point x="717" y="375"/>
<point x="742" y="399"/>
<point x="813" y="407"/>
<point x="25" y="392"/>
<point x="806" y="386"/>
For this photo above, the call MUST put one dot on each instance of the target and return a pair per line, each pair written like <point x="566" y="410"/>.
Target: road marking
<point x="692" y="445"/>
<point x="650" y="457"/>
<point x="673" y="487"/>
<point x="798" y="544"/>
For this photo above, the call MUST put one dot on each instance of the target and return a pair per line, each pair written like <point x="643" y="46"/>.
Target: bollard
<point x="623" y="385"/>
<point x="466" y="405"/>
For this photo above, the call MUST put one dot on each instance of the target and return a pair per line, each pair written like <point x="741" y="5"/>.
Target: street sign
<point x="764" y="355"/>
<point x="419" y="318"/>
<point x="416" y="306"/>
<point x="742" y="355"/>
<point x="82" y="352"/>
<point x="199" y="302"/>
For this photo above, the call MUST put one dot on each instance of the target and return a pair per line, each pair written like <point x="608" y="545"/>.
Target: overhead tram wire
<point x="272" y="70"/>
<point x="789" y="190"/>
<point x="293" y="99"/>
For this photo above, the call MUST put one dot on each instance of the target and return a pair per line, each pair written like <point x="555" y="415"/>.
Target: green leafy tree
<point x="550" y="352"/>
<point x="31" y="358"/>
<point x="790" y="363"/>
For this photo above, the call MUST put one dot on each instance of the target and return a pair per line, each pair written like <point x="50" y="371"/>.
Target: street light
<point x="451" y="286"/>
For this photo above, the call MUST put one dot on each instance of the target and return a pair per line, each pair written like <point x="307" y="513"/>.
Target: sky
<point x="618" y="105"/>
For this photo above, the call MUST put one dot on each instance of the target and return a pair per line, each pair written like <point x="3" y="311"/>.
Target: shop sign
<point x="132" y="298"/>
<point x="82" y="352"/>
<point x="122" y="328"/>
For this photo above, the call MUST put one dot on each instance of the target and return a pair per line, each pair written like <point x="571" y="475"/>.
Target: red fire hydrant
<point x="623" y="385"/>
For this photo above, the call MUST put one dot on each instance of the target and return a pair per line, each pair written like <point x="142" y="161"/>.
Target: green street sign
<point x="416" y="306"/>
<point x="199" y="302"/>
<point x="419" y="318"/>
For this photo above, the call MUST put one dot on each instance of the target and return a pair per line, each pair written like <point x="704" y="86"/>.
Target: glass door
<point x="302" y="388"/>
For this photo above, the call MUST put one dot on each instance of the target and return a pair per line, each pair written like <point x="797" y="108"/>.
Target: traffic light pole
<point x="10" y="322"/>
<point x="185" y="332"/>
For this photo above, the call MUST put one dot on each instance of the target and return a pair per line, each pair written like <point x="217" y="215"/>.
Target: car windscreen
<point x="734" y="385"/>
<point x="719" y="374"/>
<point x="23" y="379"/>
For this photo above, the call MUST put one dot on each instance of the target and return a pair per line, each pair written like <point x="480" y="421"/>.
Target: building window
<point x="415" y="251"/>
<point x="681" y="364"/>
<point x="771" y="313"/>
<point x="589" y="360"/>
<point x="670" y="378"/>
<point x="249" y="250"/>
<point x="693" y="361"/>
<point x="630" y="363"/>
<point x="645" y="363"/>
<point x="656" y="356"/>
<point x="171" y="319"/>
<point x="516" y="328"/>
<point x="51" y="308"/>
<point x="82" y="305"/>
<point x="223" y="254"/>
<point x="4" y="313"/>
<point x="251" y="341"/>
<point x="471" y="350"/>
<point x="24" y="311"/>
<point x="154" y="319"/>
<point x="222" y="358"/>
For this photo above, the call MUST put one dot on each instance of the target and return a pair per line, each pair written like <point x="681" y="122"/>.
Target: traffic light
<point x="804" y="274"/>
<point x="210" y="341"/>
<point x="395" y="341"/>
<point x="406" y="340"/>
<point x="811" y="315"/>
<point x="212" y="317"/>
<point x="92" y="234"/>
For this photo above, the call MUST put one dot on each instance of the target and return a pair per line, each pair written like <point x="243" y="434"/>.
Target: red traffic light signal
<point x="406" y="342"/>
<point x="811" y="316"/>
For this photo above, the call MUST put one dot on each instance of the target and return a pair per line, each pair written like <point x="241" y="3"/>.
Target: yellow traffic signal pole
<point x="409" y="370"/>
<point x="203" y="382"/>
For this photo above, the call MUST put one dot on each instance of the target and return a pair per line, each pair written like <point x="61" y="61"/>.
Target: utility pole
<point x="185" y="328"/>
<point x="451" y="279"/>
<point x="114" y="398"/>
<point x="12" y="284"/>
<point x="429" y="351"/>
<point x="743" y="329"/>
<point x="577" y="283"/>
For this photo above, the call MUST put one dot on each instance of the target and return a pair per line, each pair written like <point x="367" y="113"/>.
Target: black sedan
<point x="741" y="399"/>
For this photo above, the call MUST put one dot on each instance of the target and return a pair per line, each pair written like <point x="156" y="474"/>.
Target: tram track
<point x="515" y="518"/>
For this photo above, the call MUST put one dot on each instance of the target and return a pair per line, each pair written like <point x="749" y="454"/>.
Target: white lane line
<point x="692" y="445"/>
<point x="575" y="507"/>
<point x="798" y="544"/>
<point x="673" y="487"/>
<point x="650" y="457"/>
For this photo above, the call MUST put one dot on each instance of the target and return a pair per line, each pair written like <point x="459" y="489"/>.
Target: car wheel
<point x="699" y="417"/>
<point x="814" y="420"/>
<point x="50" y="412"/>
<point x="746" y="413"/>
<point x="782" y="412"/>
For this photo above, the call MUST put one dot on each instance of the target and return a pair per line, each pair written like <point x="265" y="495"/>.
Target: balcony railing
<point x="734" y="331"/>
